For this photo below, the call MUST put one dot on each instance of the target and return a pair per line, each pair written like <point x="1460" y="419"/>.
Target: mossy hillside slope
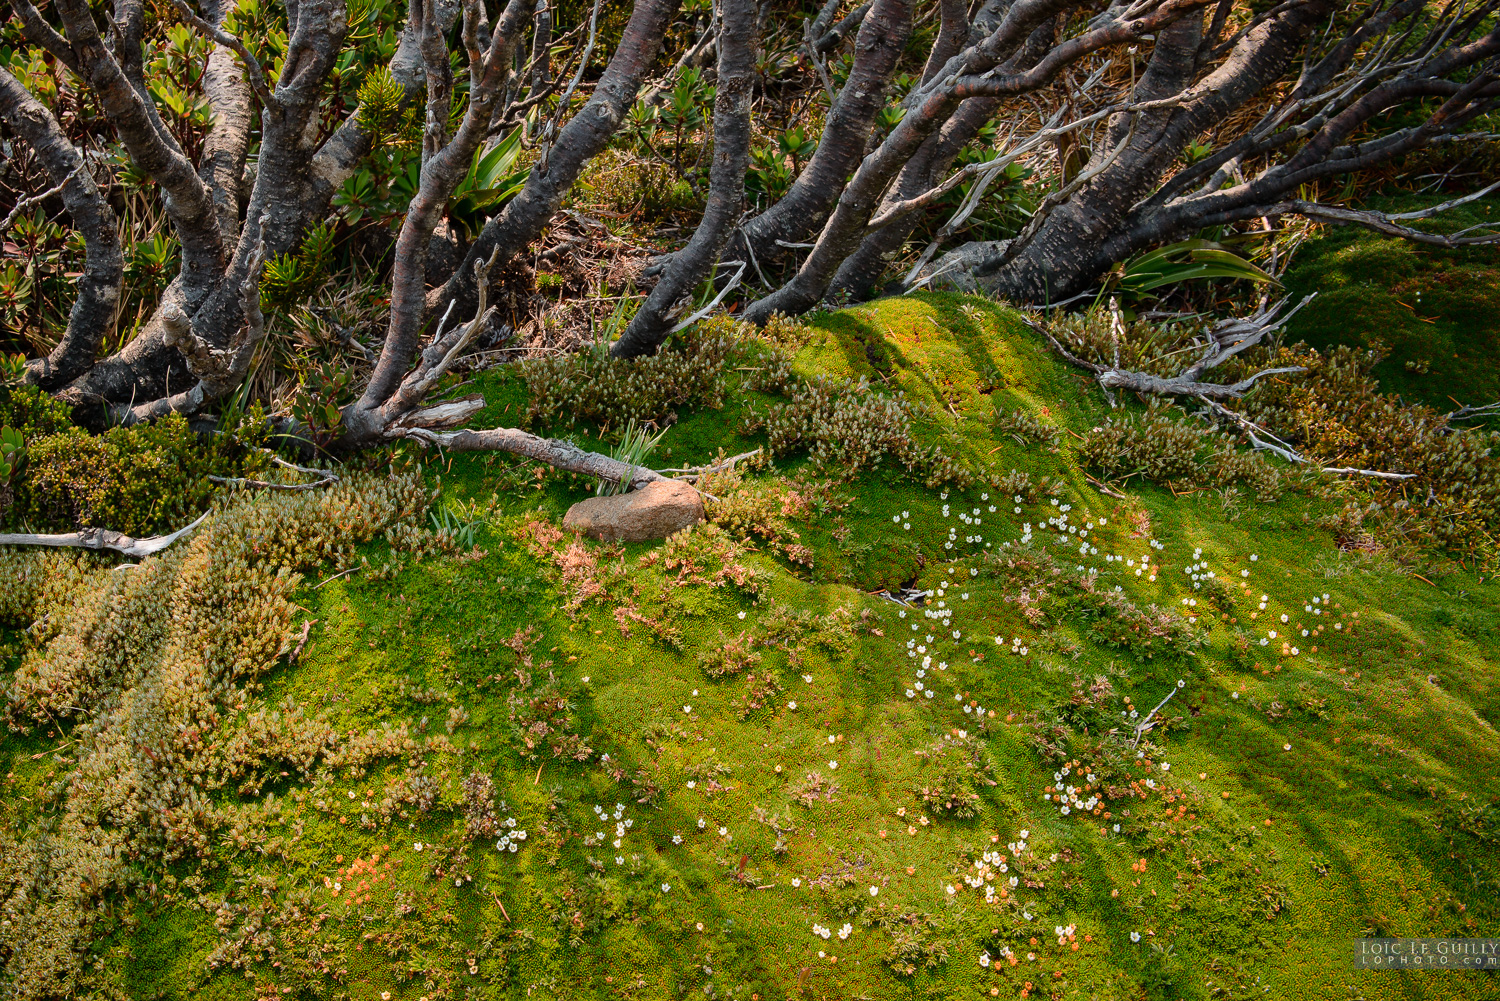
<point x="739" y="775"/>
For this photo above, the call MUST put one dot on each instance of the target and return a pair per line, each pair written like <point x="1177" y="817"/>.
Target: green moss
<point x="1435" y="312"/>
<point x="1379" y="810"/>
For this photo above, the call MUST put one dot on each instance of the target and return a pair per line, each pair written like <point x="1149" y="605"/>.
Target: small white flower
<point x="666" y="887"/>
<point x="416" y="846"/>
<point x="796" y="880"/>
<point x="874" y="891"/>
<point x="833" y="765"/>
<point x="1135" y="936"/>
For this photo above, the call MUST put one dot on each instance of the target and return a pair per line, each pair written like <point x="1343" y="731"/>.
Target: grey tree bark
<point x="652" y="323"/>
<point x="584" y="137"/>
<point x="93" y="312"/>
<point x="884" y="29"/>
<point x="1326" y="71"/>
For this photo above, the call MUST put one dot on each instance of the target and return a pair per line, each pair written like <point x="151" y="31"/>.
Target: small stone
<point x="655" y="511"/>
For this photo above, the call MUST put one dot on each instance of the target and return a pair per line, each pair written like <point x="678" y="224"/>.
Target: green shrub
<point x="1151" y="446"/>
<point x="956" y="766"/>
<point x="627" y="185"/>
<point x="139" y="480"/>
<point x="847" y="428"/>
<point x="1232" y="465"/>
<point x="1025" y="428"/>
<point x="1158" y="449"/>
<point x="1336" y="415"/>
<point x="913" y="946"/>
<point x="149" y="662"/>
<point x="1146" y="633"/>
<point x="32" y="412"/>
<point x="590" y="386"/>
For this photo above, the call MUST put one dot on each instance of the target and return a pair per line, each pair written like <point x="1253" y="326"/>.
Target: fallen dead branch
<point x="555" y="452"/>
<point x="1253" y="432"/>
<point x="325" y="478"/>
<point x="101" y="538"/>
<point x="692" y="473"/>
<point x="1226" y="339"/>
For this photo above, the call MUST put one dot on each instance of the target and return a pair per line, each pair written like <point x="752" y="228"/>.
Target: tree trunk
<point x="584" y="137"/>
<point x="802" y="210"/>
<point x="858" y="275"/>
<point x="726" y="192"/>
<point x="93" y="313"/>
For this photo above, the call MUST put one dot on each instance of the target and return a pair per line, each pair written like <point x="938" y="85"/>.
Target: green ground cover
<point x="541" y="768"/>
<point x="1435" y="313"/>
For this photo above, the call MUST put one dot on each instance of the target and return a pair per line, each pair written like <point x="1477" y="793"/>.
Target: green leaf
<point x="1187" y="260"/>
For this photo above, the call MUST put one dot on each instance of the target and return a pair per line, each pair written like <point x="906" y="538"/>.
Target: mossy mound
<point x="1435" y="312"/>
<point x="718" y="767"/>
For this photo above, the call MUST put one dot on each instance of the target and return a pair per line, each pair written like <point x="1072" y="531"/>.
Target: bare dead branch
<point x="691" y="473"/>
<point x="541" y="51"/>
<point x="1226" y="340"/>
<point x="24" y="205"/>
<point x="321" y="477"/>
<point x="102" y="538"/>
<point x="1386" y="223"/>
<point x="549" y="134"/>
<point x="563" y="455"/>
<point x="1466" y="411"/>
